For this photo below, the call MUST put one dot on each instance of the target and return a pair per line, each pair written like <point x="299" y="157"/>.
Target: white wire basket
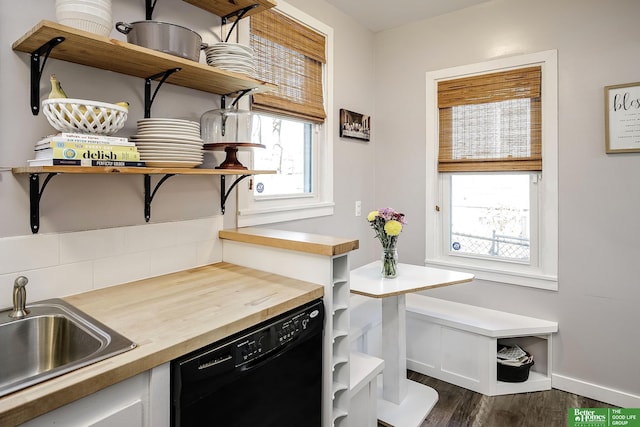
<point x="80" y="115"/>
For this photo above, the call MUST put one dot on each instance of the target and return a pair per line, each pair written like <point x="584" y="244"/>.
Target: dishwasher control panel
<point x="278" y="334"/>
<point x="291" y="328"/>
<point x="252" y="347"/>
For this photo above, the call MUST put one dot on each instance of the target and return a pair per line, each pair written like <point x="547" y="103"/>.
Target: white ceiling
<point x="378" y="15"/>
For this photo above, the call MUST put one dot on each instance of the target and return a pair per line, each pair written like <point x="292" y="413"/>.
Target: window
<point x="490" y="216"/>
<point x="288" y="150"/>
<point x="492" y="148"/>
<point x="292" y="51"/>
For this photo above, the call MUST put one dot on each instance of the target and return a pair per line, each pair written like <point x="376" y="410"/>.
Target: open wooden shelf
<point x="36" y="190"/>
<point x="52" y="40"/>
<point x="226" y="7"/>
<point x="93" y="170"/>
<point x="90" y="49"/>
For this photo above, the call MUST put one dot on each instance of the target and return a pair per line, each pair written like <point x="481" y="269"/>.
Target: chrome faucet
<point x="19" y="298"/>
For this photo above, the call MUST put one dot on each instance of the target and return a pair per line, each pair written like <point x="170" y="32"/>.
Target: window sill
<point x="529" y="278"/>
<point x="251" y="217"/>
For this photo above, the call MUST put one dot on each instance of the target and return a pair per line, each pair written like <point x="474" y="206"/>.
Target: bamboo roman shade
<point x="491" y="122"/>
<point x="291" y="56"/>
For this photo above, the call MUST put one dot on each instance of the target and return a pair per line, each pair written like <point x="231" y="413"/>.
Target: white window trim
<point x="545" y="274"/>
<point x="257" y="211"/>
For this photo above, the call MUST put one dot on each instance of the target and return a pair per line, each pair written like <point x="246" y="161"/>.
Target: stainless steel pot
<point x="165" y="37"/>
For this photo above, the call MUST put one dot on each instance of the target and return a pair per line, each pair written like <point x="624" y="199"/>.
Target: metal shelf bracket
<point x="38" y="60"/>
<point x="238" y="95"/>
<point x="148" y="98"/>
<point x="223" y="105"/>
<point x="36" y="191"/>
<point x="225" y="194"/>
<point x="35" y="194"/>
<point x="148" y="194"/>
<point x="149" y="6"/>
<point x="238" y="14"/>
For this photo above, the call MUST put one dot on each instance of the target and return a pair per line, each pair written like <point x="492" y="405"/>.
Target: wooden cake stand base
<point x="231" y="149"/>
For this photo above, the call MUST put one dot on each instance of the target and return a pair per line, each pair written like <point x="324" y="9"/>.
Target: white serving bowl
<point x="105" y="4"/>
<point x="87" y="17"/>
<point x="80" y="115"/>
<point x="87" y="25"/>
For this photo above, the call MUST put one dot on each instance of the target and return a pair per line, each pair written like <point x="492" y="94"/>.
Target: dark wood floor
<point x="459" y="407"/>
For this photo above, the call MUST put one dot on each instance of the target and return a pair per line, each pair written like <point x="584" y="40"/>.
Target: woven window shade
<point x="291" y="56"/>
<point x="491" y="122"/>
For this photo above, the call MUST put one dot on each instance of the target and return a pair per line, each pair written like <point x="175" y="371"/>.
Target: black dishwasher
<point x="267" y="375"/>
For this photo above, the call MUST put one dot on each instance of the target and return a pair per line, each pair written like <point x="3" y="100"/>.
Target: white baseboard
<point x="594" y="391"/>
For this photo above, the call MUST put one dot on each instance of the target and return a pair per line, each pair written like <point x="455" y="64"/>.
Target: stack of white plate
<point x="231" y="57"/>
<point x="169" y="143"/>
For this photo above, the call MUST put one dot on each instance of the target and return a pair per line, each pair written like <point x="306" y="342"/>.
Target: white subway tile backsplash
<point x="89" y="245"/>
<point x="28" y="252"/>
<point x="199" y="230"/>
<point x="174" y="258"/>
<point x="62" y="280"/>
<point x="150" y="236"/>
<point x="58" y="265"/>
<point x="51" y="282"/>
<point x="121" y="269"/>
<point x="209" y="252"/>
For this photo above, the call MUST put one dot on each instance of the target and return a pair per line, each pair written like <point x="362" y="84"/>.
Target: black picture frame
<point x="354" y="125"/>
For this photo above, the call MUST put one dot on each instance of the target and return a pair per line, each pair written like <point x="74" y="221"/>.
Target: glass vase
<point x="389" y="262"/>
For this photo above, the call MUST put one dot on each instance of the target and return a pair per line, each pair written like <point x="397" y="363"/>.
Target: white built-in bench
<point x="457" y="342"/>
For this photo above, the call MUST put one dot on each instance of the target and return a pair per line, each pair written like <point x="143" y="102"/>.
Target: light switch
<point x="358" y="208"/>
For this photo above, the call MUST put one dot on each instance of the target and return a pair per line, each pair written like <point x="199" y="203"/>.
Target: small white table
<point x="402" y="402"/>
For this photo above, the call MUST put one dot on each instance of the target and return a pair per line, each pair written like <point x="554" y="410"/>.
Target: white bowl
<point x="87" y="11"/>
<point x="80" y="115"/>
<point x="85" y="17"/>
<point x="89" y="26"/>
<point x="105" y="4"/>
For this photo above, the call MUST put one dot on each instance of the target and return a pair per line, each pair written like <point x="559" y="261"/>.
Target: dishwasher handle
<point x="207" y="364"/>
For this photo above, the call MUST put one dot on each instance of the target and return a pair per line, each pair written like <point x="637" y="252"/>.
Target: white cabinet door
<point x="121" y="405"/>
<point x="131" y="415"/>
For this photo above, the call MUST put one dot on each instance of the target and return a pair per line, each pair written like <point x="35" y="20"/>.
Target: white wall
<point x="598" y="44"/>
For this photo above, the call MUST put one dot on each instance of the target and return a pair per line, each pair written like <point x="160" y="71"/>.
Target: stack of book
<point x="77" y="149"/>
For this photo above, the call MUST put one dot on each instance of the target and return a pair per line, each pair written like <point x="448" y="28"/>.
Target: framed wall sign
<point x="354" y="125"/>
<point x="622" y="118"/>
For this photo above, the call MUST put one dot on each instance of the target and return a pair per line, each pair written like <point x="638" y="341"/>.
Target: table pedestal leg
<point x="394" y="348"/>
<point x="401" y="402"/>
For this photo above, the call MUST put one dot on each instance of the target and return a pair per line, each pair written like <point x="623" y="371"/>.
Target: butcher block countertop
<point x="166" y="316"/>
<point x="293" y="240"/>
